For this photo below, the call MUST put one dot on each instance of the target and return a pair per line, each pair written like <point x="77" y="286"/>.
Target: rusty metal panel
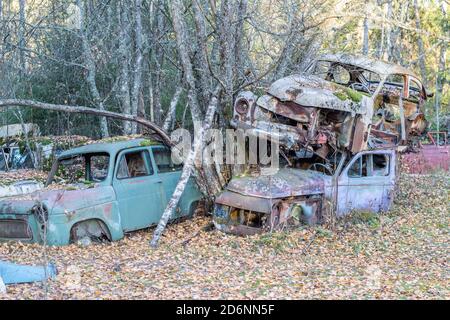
<point x="238" y="200"/>
<point x="312" y="91"/>
<point x="287" y="109"/>
<point x="287" y="182"/>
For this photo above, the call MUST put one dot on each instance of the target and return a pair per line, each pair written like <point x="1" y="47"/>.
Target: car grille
<point x="15" y="229"/>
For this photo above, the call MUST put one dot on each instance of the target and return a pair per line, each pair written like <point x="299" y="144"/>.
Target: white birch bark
<point x="91" y="70"/>
<point x="176" y="8"/>
<point x="423" y="71"/>
<point x="124" y="58"/>
<point x="365" y="47"/>
<point x="22" y="35"/>
<point x="188" y="169"/>
<point x="171" y="113"/>
<point x="137" y="70"/>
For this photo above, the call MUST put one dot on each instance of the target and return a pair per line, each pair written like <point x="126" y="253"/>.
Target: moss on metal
<point x="348" y="94"/>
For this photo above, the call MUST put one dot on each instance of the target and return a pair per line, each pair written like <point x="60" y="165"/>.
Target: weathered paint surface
<point x="319" y="114"/>
<point x="113" y="206"/>
<point x="427" y="159"/>
<point x="251" y="205"/>
<point x="11" y="273"/>
<point x="21" y="187"/>
<point x="286" y="182"/>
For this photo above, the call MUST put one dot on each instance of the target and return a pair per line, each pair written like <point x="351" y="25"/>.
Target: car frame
<point x="104" y="209"/>
<point x="287" y="197"/>
<point x="315" y="113"/>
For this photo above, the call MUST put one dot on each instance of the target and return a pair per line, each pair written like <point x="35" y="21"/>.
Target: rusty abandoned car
<point x="98" y="191"/>
<point x="339" y="127"/>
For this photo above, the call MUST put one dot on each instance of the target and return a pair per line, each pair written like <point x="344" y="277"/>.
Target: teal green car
<point x="98" y="191"/>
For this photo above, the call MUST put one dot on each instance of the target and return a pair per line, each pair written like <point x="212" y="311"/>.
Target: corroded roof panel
<point x="312" y="91"/>
<point x="377" y="66"/>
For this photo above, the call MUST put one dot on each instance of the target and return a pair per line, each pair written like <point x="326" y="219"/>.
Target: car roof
<point x="109" y="147"/>
<point x="377" y="66"/>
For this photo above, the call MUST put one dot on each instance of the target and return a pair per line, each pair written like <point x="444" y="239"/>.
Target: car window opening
<point x="133" y="164"/>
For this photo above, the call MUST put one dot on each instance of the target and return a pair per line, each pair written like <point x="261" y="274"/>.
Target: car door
<point x="391" y="181"/>
<point x="137" y="189"/>
<point x="168" y="172"/>
<point x="363" y="181"/>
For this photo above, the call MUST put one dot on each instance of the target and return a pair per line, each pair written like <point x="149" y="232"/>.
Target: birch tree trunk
<point x="202" y="41"/>
<point x="227" y="45"/>
<point x="171" y="113"/>
<point x="200" y="125"/>
<point x="423" y="72"/>
<point x="288" y="49"/>
<point x="158" y="57"/>
<point x="239" y="33"/>
<point x="365" y="47"/>
<point x="124" y="58"/>
<point x="137" y="70"/>
<point x="380" y="47"/>
<point x="91" y="69"/>
<point x="188" y="169"/>
<point x="22" y="36"/>
<point x="389" y="32"/>
<point x="179" y="26"/>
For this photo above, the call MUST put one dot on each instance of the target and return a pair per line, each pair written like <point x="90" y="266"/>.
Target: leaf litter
<point x="401" y="254"/>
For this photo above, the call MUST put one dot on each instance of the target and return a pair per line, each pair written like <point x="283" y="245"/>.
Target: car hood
<point x="312" y="91"/>
<point x="57" y="201"/>
<point x="20" y="187"/>
<point x="286" y="182"/>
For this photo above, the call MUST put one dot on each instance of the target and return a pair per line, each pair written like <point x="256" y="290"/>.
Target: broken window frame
<point x="86" y="156"/>
<point x="368" y="157"/>
<point x="174" y="167"/>
<point x="88" y="159"/>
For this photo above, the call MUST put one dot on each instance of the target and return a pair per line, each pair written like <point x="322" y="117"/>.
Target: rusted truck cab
<point x="260" y="202"/>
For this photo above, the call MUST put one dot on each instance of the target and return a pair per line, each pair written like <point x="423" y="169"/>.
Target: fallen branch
<point x="86" y="110"/>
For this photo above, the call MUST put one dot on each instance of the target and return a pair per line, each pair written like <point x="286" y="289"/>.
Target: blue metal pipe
<point x="15" y="273"/>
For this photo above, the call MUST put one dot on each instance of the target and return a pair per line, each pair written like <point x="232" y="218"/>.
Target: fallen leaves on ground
<point x="402" y="254"/>
<point x="10" y="177"/>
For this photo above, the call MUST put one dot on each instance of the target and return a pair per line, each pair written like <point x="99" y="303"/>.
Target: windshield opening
<point x="354" y="77"/>
<point x="91" y="167"/>
<point x="308" y="160"/>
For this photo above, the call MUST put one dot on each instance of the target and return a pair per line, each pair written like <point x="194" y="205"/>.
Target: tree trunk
<point x="365" y="48"/>
<point x="124" y="58"/>
<point x="202" y="52"/>
<point x="227" y="45"/>
<point x="137" y="70"/>
<point x="239" y="33"/>
<point x="159" y="61"/>
<point x="423" y="71"/>
<point x="440" y="77"/>
<point x="186" y="173"/>
<point x="22" y="36"/>
<point x="171" y="113"/>
<point x="179" y="27"/>
<point x="389" y="32"/>
<point x="91" y="74"/>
